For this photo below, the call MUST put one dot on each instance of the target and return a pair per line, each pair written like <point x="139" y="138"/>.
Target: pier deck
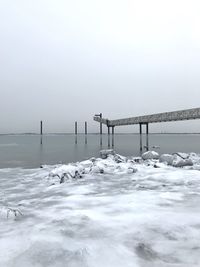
<point x="180" y="115"/>
<point x="187" y="114"/>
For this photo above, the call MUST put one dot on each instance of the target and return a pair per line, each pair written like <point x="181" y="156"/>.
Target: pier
<point x="180" y="115"/>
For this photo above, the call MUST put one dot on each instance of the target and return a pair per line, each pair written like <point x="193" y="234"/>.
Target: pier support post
<point x="147" y="136"/>
<point x="100" y="115"/>
<point x="113" y="135"/>
<point x="108" y="136"/>
<point x="140" y="137"/>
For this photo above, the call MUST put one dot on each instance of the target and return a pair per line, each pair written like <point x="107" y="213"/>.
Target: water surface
<point x="27" y="151"/>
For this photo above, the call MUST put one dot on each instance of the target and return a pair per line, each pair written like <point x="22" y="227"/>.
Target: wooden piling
<point x="85" y="127"/>
<point x="76" y="132"/>
<point x="101" y="131"/>
<point x="86" y="132"/>
<point x="76" y="128"/>
<point x="113" y="134"/>
<point x="108" y="136"/>
<point x="140" y="137"/>
<point x="147" y="136"/>
<point x="41" y="128"/>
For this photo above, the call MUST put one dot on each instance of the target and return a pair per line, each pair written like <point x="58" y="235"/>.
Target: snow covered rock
<point x="118" y="158"/>
<point x="182" y="155"/>
<point x="167" y="158"/>
<point x="66" y="172"/>
<point x="181" y="162"/>
<point x="150" y="155"/>
<point x="104" y="153"/>
<point x="177" y="159"/>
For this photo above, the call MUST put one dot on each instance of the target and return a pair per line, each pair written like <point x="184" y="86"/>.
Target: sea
<point x="30" y="151"/>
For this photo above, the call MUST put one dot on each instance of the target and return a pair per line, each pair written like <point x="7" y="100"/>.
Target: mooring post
<point x="85" y="132"/>
<point x="100" y="123"/>
<point x="100" y="115"/>
<point x="41" y="129"/>
<point x="76" y="128"/>
<point x="76" y="131"/>
<point x="140" y="137"/>
<point x="108" y="136"/>
<point x="147" y="136"/>
<point x="41" y="132"/>
<point x="85" y="127"/>
<point x="113" y="134"/>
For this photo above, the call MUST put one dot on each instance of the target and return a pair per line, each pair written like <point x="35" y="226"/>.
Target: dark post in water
<point x="85" y="132"/>
<point x="113" y="133"/>
<point x="101" y="124"/>
<point x="41" y="129"/>
<point x="147" y="136"/>
<point x="85" y="127"/>
<point x="140" y="137"/>
<point x="76" y="128"/>
<point x="108" y="136"/>
<point x="100" y="115"/>
<point x="76" y="131"/>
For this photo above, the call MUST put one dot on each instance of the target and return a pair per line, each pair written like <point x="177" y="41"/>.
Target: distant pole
<point x="76" y="128"/>
<point x="85" y="127"/>
<point x="86" y="132"/>
<point x="41" y="128"/>
<point x="41" y="131"/>
<point x="76" y="131"/>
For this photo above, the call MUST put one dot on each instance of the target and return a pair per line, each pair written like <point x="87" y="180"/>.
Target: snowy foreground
<point x="109" y="212"/>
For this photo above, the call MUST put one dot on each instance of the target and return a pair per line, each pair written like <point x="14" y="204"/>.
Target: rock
<point x="104" y="153"/>
<point x="86" y="163"/>
<point x="119" y="159"/>
<point x="180" y="162"/>
<point x="167" y="158"/>
<point x="177" y="159"/>
<point x="182" y="155"/>
<point x="150" y="155"/>
<point x="136" y="160"/>
<point x="156" y="166"/>
<point x="97" y="169"/>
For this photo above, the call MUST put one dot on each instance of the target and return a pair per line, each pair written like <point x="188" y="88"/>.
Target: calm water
<point x="28" y="152"/>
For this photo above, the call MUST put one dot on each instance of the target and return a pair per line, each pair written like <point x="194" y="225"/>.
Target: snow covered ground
<point x="102" y="213"/>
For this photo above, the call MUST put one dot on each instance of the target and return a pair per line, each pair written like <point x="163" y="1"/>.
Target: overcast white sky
<point x="65" y="60"/>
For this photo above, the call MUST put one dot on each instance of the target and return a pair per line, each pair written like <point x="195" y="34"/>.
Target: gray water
<point x="27" y="151"/>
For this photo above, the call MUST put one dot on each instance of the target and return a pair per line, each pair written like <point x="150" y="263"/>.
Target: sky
<point x="63" y="61"/>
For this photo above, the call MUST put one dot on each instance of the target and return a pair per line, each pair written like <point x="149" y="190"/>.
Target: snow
<point x="178" y="159"/>
<point x="104" y="153"/>
<point x="150" y="155"/>
<point x="108" y="212"/>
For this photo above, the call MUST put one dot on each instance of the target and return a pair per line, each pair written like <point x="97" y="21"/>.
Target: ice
<point x="167" y="158"/>
<point x="178" y="159"/>
<point x="106" y="152"/>
<point x="150" y="155"/>
<point x="108" y="212"/>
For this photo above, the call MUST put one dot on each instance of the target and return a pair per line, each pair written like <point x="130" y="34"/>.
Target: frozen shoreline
<point x="115" y="211"/>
